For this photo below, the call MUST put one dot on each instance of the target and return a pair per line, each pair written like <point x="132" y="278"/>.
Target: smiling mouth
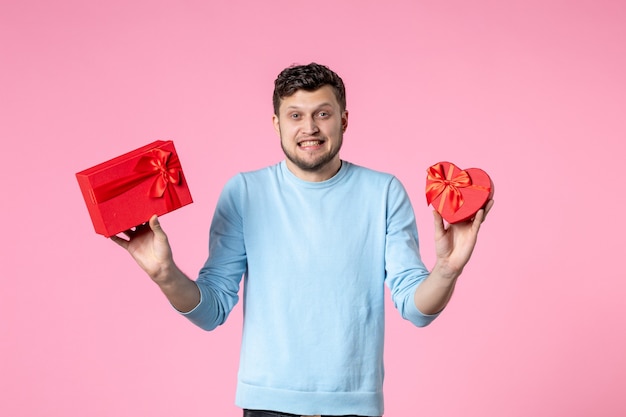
<point x="309" y="143"/>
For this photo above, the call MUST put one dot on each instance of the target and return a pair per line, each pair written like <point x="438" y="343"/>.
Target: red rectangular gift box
<point x="126" y="191"/>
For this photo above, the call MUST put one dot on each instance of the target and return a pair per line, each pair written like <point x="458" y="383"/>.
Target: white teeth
<point x="310" y="143"/>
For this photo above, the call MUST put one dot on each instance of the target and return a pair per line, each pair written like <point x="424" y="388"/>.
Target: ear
<point x="344" y="121"/>
<point x="276" y="124"/>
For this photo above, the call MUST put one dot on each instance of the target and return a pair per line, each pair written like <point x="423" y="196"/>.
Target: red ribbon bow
<point x="161" y="165"/>
<point x="439" y="182"/>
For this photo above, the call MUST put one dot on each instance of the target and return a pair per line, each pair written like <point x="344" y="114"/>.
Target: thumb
<point x="440" y="229"/>
<point x="155" y="226"/>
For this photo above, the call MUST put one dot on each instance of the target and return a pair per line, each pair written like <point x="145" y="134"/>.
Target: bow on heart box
<point x="457" y="194"/>
<point x="126" y="191"/>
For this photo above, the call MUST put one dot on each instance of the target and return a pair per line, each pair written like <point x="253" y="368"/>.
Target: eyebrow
<point x="318" y="107"/>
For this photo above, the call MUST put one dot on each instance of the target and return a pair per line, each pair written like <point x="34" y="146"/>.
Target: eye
<point x="323" y="114"/>
<point x="294" y="116"/>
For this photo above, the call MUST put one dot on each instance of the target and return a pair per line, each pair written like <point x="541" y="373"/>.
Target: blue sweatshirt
<point x="314" y="257"/>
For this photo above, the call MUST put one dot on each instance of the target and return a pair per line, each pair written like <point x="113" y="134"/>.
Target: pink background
<point x="533" y="92"/>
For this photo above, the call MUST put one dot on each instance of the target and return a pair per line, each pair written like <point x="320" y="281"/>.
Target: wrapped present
<point x="126" y="191"/>
<point x="457" y="194"/>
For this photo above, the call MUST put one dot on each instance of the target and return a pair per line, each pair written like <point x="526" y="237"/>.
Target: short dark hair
<point x="309" y="78"/>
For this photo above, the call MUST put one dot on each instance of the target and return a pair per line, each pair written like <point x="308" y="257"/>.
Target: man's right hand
<point x="149" y="246"/>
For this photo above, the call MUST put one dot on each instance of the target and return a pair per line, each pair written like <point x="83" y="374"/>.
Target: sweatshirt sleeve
<point x="404" y="268"/>
<point x="221" y="275"/>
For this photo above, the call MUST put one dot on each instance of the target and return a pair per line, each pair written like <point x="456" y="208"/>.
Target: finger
<point x="488" y="206"/>
<point x="129" y="233"/>
<point x="155" y="225"/>
<point x="122" y="242"/>
<point x="478" y="219"/>
<point x="439" y="226"/>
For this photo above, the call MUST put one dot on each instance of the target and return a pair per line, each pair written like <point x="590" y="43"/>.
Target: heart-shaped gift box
<point x="455" y="193"/>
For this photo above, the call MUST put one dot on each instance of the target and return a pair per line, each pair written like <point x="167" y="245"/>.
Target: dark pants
<point x="264" y="413"/>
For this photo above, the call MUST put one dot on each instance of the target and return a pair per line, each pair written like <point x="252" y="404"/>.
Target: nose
<point x="310" y="127"/>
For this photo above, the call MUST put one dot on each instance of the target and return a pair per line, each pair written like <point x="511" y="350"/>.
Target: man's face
<point x="311" y="126"/>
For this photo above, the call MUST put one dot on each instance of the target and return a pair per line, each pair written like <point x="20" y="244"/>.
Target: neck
<point x="323" y="173"/>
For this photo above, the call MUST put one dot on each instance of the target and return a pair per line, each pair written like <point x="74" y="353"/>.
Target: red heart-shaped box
<point x="457" y="194"/>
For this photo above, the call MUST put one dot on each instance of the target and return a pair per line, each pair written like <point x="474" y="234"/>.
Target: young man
<point x="315" y="239"/>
